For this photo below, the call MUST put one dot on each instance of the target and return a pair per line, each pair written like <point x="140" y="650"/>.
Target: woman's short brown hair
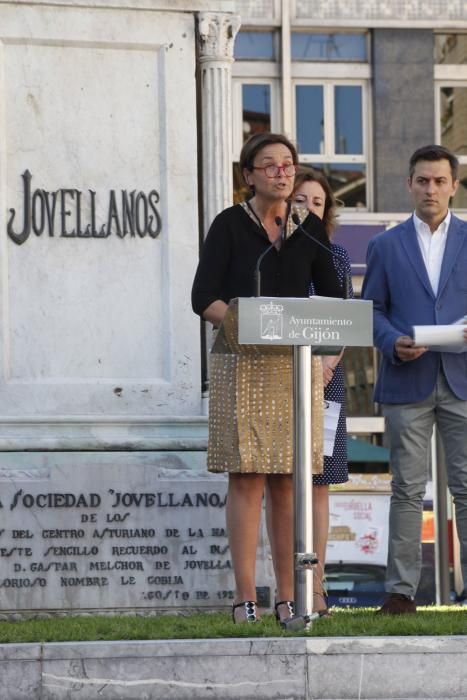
<point x="330" y="204"/>
<point x="258" y="141"/>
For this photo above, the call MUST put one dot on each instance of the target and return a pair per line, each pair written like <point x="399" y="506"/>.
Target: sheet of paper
<point x="331" y="418"/>
<point x="442" y="338"/>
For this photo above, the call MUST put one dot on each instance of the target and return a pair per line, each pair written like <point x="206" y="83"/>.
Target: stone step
<point x="365" y="668"/>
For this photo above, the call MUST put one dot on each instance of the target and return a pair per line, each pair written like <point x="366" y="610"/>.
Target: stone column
<point x="216" y="34"/>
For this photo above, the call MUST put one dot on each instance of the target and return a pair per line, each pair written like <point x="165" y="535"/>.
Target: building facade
<point x="358" y="86"/>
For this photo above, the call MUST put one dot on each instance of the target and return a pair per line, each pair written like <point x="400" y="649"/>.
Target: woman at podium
<point x="312" y="190"/>
<point x="250" y="402"/>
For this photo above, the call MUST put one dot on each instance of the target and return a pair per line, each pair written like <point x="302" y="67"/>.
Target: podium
<point x="275" y="326"/>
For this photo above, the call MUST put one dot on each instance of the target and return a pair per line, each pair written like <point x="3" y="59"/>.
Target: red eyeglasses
<point x="274" y="170"/>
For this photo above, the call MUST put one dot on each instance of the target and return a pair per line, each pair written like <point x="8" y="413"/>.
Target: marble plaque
<point x="114" y="537"/>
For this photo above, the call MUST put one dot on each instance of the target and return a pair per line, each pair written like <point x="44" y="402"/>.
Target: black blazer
<point x="232" y="248"/>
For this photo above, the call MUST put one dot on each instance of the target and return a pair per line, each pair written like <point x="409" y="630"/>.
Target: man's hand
<point x="405" y="350"/>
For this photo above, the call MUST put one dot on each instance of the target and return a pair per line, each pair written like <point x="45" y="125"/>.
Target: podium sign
<point x="317" y="321"/>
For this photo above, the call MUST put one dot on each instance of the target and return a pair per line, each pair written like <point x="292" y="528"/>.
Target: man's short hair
<point x="433" y="153"/>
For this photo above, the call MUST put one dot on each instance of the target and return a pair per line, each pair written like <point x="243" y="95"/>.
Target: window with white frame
<point x="451" y="103"/>
<point x="330" y="134"/>
<point x="329" y="46"/>
<point x="323" y="106"/>
<point x="255" y="93"/>
<point x="255" y="110"/>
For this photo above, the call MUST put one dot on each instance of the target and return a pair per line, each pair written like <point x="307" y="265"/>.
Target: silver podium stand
<point x="326" y="325"/>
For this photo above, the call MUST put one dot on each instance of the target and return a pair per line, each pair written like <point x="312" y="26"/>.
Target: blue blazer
<point x="397" y="282"/>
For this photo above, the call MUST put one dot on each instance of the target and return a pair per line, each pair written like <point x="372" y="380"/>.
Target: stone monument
<point x="105" y="504"/>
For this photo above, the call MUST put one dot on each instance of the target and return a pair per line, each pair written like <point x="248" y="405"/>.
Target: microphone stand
<point x="257" y="273"/>
<point x="347" y="277"/>
<point x="305" y="560"/>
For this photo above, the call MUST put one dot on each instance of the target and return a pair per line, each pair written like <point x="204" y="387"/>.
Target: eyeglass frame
<point x="278" y="168"/>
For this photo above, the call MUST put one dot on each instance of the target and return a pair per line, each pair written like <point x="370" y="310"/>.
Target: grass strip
<point x="432" y="620"/>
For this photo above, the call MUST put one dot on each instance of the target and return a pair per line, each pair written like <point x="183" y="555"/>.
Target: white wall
<point x="98" y="99"/>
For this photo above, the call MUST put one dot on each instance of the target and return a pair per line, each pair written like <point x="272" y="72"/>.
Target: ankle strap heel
<point x="290" y="609"/>
<point x="250" y="611"/>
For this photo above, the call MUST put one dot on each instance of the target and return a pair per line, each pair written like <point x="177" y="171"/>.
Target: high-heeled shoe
<point x="250" y="610"/>
<point x="290" y="609"/>
<point x="320" y="604"/>
<point x="320" y="594"/>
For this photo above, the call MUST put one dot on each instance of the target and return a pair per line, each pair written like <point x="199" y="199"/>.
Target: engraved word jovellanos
<point x="72" y="213"/>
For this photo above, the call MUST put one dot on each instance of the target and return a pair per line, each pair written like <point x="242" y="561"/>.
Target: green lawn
<point x="347" y="623"/>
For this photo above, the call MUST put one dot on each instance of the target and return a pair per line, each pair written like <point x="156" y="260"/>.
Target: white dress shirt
<point x="432" y="246"/>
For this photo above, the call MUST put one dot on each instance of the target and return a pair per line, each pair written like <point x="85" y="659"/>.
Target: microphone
<point x="347" y="277"/>
<point x="257" y="274"/>
<point x="278" y="222"/>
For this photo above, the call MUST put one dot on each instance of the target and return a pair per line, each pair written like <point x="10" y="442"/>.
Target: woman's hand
<point x="215" y="312"/>
<point x="330" y="363"/>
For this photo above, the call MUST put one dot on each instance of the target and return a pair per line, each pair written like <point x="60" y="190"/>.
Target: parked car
<point x="355" y="585"/>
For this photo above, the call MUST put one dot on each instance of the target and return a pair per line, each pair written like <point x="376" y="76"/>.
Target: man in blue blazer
<point x="417" y="275"/>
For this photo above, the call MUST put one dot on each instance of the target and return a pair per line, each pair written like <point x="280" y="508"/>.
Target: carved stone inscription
<point x="96" y="537"/>
<point x="129" y="213"/>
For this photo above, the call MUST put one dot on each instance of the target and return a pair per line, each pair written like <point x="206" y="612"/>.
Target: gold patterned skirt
<point x="251" y="425"/>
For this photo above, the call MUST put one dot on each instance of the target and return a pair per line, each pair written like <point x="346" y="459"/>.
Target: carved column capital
<point x="216" y="35"/>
